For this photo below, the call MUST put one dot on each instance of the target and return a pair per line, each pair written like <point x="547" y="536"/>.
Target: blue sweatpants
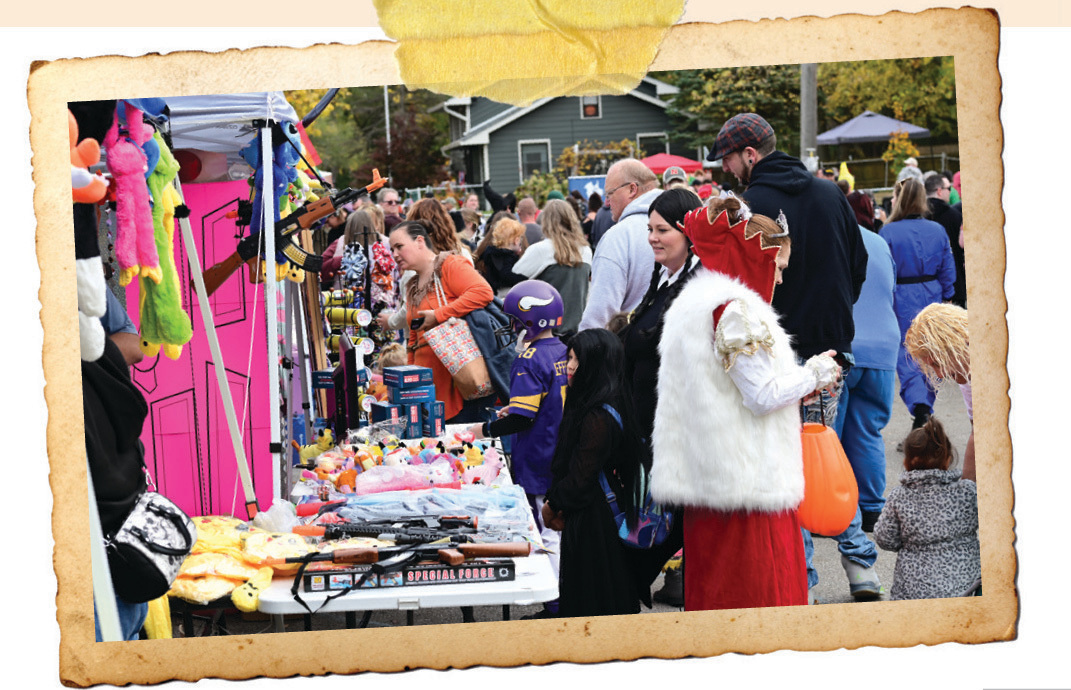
<point x="865" y="409"/>
<point x="915" y="388"/>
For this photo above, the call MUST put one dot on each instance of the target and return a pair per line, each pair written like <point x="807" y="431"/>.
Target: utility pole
<point x="386" y="118"/>
<point x="809" y="115"/>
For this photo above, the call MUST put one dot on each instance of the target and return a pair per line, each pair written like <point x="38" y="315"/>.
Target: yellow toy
<point x="473" y="456"/>
<point x="247" y="596"/>
<point x="325" y="441"/>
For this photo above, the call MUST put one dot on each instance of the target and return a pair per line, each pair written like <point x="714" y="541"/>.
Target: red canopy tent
<point x="660" y="161"/>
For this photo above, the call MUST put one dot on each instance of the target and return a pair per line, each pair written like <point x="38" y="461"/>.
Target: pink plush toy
<point x="135" y="244"/>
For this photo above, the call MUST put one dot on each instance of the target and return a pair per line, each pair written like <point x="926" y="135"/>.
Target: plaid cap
<point x="739" y="132"/>
<point x="674" y="172"/>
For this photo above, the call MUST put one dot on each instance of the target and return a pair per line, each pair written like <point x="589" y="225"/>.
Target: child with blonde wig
<point x="938" y="340"/>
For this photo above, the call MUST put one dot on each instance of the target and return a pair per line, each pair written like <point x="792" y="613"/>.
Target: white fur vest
<point x="709" y="449"/>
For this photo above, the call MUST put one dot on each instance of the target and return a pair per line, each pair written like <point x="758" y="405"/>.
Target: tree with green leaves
<point x="709" y="97"/>
<point x="350" y="134"/>
<point x="923" y="89"/>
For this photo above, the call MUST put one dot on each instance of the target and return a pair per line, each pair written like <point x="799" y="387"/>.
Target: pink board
<point x="187" y="444"/>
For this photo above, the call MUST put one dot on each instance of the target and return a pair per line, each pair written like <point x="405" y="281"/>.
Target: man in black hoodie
<point x="819" y="287"/>
<point x="828" y="264"/>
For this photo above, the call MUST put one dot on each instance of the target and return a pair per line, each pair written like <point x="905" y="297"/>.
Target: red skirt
<point x="739" y="559"/>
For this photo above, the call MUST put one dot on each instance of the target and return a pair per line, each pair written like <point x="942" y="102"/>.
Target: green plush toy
<point x="164" y="323"/>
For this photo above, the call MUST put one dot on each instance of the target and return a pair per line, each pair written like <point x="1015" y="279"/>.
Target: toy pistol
<point x="285" y="228"/>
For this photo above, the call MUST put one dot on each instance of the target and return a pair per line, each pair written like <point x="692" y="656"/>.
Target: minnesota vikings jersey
<point x="537" y="390"/>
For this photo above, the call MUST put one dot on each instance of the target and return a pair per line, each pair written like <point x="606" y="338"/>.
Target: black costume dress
<point x="594" y="579"/>
<point x="641" y="365"/>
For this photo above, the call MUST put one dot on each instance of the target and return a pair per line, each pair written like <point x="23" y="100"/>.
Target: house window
<point x="653" y="142"/>
<point x="590" y="107"/>
<point x="534" y="155"/>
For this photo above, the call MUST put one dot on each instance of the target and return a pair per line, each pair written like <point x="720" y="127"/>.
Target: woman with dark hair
<point x="444" y="285"/>
<point x="925" y="274"/>
<point x="597" y="434"/>
<point x="594" y="204"/>
<point x="674" y="266"/>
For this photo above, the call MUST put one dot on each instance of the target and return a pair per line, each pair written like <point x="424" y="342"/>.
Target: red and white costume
<point x="726" y="437"/>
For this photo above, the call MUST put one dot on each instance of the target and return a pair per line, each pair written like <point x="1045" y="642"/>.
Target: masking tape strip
<point x="526" y="50"/>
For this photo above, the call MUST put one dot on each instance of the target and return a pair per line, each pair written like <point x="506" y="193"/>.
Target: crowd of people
<point x="684" y="330"/>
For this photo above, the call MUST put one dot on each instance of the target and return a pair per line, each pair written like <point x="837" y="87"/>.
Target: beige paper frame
<point x="971" y="36"/>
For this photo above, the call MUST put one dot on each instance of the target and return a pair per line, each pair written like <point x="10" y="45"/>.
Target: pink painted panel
<point x="187" y="443"/>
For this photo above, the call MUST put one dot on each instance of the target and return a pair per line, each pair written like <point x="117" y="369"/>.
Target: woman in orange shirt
<point x="465" y="290"/>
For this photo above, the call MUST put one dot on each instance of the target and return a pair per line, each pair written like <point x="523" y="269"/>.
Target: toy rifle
<point x="450" y="553"/>
<point x="460" y="529"/>
<point x="285" y="228"/>
<point x="394" y="558"/>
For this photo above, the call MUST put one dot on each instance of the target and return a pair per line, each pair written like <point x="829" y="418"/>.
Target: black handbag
<point x="146" y="552"/>
<point x="493" y="333"/>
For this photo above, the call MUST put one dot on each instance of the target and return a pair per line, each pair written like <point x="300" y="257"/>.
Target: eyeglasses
<point x="611" y="192"/>
<point x="390" y="202"/>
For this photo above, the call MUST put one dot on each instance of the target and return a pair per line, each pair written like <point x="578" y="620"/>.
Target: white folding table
<point x="534" y="583"/>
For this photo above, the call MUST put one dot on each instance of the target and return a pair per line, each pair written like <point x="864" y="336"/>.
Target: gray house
<point x="505" y="143"/>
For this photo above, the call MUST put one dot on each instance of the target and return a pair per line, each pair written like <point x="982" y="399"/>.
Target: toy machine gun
<point x="285" y="229"/>
<point x="416" y="530"/>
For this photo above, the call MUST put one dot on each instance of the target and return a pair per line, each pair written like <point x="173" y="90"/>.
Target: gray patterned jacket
<point x="932" y="520"/>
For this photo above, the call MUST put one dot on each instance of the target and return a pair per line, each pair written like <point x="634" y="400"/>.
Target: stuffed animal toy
<point x="135" y="244"/>
<point x="325" y="441"/>
<point x="164" y="323"/>
<point x="88" y="187"/>
<point x="284" y="173"/>
<point x="89" y="271"/>
<point x="92" y="289"/>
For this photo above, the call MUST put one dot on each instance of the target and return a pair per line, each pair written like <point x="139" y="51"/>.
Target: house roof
<point x="479" y="135"/>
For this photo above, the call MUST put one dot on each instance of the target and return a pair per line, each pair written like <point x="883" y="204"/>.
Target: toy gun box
<point x="407" y="376"/>
<point x="402" y="396"/>
<point x="328" y="577"/>
<point x="385" y="412"/>
<point x="433" y="418"/>
<point x="414" y="426"/>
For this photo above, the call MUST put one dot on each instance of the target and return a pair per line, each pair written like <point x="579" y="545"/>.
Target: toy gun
<point x="460" y="529"/>
<point x="285" y="228"/>
<point x="450" y="553"/>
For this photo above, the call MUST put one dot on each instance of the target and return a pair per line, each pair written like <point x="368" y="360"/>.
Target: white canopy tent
<point x="227" y="124"/>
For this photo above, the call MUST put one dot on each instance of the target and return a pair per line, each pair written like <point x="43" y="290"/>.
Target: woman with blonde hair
<point x="938" y="341"/>
<point x="925" y="274"/>
<point x="498" y="259"/>
<point x="563" y="260"/>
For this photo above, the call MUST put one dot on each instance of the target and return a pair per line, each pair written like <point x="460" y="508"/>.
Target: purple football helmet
<point x="533" y="306"/>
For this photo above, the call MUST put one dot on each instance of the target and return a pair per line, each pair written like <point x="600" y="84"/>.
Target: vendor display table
<point x="535" y="583"/>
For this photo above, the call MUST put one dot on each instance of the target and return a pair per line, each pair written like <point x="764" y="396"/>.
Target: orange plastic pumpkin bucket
<point x="830" y="494"/>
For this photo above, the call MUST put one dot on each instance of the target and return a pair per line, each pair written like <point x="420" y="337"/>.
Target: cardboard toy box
<point x="433" y="418"/>
<point x="414" y="420"/>
<point x="330" y="577"/>
<point x="405" y="396"/>
<point x="383" y="412"/>
<point x="407" y="376"/>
